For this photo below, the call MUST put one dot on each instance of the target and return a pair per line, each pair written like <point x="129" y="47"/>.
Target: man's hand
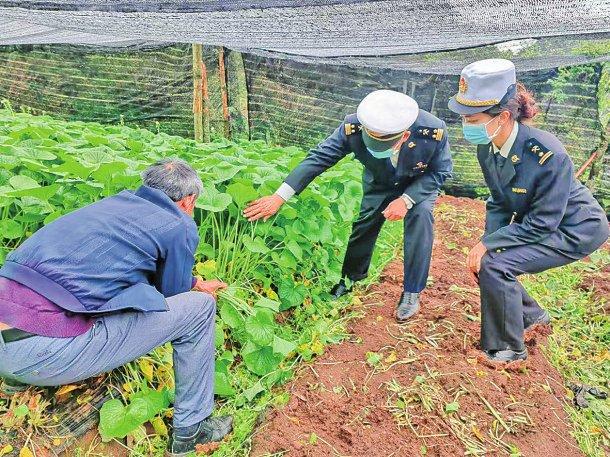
<point x="396" y="210"/>
<point x="473" y="262"/>
<point x="263" y="208"/>
<point x="209" y="287"/>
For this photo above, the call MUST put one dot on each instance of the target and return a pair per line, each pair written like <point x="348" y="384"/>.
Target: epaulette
<point x="430" y="132"/>
<point x="536" y="147"/>
<point x="351" y="128"/>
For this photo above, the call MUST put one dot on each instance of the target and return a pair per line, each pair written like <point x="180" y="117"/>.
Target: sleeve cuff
<point x="408" y="200"/>
<point x="285" y="191"/>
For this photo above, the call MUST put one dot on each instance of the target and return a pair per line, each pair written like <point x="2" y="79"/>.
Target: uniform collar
<point x="506" y="147"/>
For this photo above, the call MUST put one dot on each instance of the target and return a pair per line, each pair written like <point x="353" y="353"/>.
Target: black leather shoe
<point x="212" y="429"/>
<point x="339" y="290"/>
<point x="507" y="355"/>
<point x="543" y="319"/>
<point x="408" y="305"/>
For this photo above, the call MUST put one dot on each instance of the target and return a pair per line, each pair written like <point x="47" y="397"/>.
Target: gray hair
<point x="173" y="176"/>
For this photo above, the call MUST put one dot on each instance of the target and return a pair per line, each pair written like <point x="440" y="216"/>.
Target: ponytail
<point x="522" y="107"/>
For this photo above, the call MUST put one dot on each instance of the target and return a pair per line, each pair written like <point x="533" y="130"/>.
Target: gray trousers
<point x="117" y="339"/>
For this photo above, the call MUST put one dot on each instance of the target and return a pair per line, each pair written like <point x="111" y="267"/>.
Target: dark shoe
<point x="408" y="305"/>
<point x="508" y="355"/>
<point x="543" y="319"/>
<point x="210" y="430"/>
<point x="340" y="290"/>
<point x="11" y="387"/>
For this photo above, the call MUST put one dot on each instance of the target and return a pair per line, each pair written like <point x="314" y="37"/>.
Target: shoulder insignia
<point x="350" y="128"/>
<point x="429" y="132"/>
<point x="541" y="151"/>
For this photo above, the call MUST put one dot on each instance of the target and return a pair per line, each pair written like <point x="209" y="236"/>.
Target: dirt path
<point x="422" y="388"/>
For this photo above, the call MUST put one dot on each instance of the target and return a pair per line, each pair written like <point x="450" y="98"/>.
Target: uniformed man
<point x="406" y="160"/>
<point x="539" y="216"/>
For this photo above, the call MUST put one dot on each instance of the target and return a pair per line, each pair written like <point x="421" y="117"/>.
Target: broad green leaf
<point x="291" y="294"/>
<point x="21" y="410"/>
<point x="253" y="391"/>
<point x="282" y="346"/>
<point x="296" y="250"/>
<point x="256" y="245"/>
<point x="260" y="326"/>
<point x="10" y="229"/>
<point x="260" y="360"/>
<point x="19" y="182"/>
<point x="43" y="193"/>
<point x="107" y="171"/>
<point x="242" y="194"/>
<point x="118" y="420"/>
<point x="230" y="316"/>
<point x="265" y="302"/>
<point x="222" y="385"/>
<point x="212" y="200"/>
<point x="73" y="167"/>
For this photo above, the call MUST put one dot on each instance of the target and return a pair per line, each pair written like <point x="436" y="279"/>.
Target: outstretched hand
<point x="263" y="208"/>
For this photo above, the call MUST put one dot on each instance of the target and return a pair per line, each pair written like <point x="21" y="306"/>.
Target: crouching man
<point x="108" y="283"/>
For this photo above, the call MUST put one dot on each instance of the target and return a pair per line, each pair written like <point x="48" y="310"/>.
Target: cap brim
<point x="377" y="145"/>
<point x="464" y="110"/>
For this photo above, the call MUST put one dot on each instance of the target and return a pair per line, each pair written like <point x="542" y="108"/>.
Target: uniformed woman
<point x="539" y="216"/>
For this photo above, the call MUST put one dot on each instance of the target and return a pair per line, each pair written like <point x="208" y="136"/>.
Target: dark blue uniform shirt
<point x="535" y="197"/>
<point x="423" y="166"/>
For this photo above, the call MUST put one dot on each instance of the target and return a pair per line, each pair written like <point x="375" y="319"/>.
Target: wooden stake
<point x="206" y="102"/>
<point x="222" y="76"/>
<point x="198" y="91"/>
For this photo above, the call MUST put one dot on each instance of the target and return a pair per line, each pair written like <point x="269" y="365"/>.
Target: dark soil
<point x="422" y="388"/>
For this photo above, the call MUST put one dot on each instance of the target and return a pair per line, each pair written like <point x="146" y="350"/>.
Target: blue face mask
<point x="381" y="154"/>
<point x="477" y="133"/>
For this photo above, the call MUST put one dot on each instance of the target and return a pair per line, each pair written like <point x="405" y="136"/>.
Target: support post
<point x="201" y="99"/>
<point x="224" y="98"/>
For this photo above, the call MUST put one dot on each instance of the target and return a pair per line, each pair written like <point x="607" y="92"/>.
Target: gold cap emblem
<point x="463" y="86"/>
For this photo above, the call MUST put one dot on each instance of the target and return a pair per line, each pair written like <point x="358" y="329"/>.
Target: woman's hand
<point x="473" y="262"/>
<point x="263" y="208"/>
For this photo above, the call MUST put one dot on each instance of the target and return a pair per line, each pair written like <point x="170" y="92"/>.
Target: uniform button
<point x="498" y="250"/>
<point x="395" y="183"/>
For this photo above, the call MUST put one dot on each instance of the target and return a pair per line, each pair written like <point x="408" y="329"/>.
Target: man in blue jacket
<point x="108" y="283"/>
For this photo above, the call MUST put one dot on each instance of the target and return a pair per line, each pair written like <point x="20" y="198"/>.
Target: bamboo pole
<point x="222" y="76"/>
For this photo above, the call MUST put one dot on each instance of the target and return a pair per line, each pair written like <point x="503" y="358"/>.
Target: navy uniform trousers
<point x="506" y="307"/>
<point x="418" y="238"/>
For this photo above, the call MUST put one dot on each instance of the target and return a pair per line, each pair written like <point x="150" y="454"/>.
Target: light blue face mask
<point x="381" y="154"/>
<point x="477" y="133"/>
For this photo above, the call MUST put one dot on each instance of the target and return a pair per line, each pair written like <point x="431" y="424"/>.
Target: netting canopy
<point x="362" y="33"/>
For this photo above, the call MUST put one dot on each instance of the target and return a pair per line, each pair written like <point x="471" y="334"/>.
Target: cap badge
<point x="463" y="86"/>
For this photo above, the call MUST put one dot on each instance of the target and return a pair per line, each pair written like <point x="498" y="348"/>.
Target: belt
<point x="14" y="334"/>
